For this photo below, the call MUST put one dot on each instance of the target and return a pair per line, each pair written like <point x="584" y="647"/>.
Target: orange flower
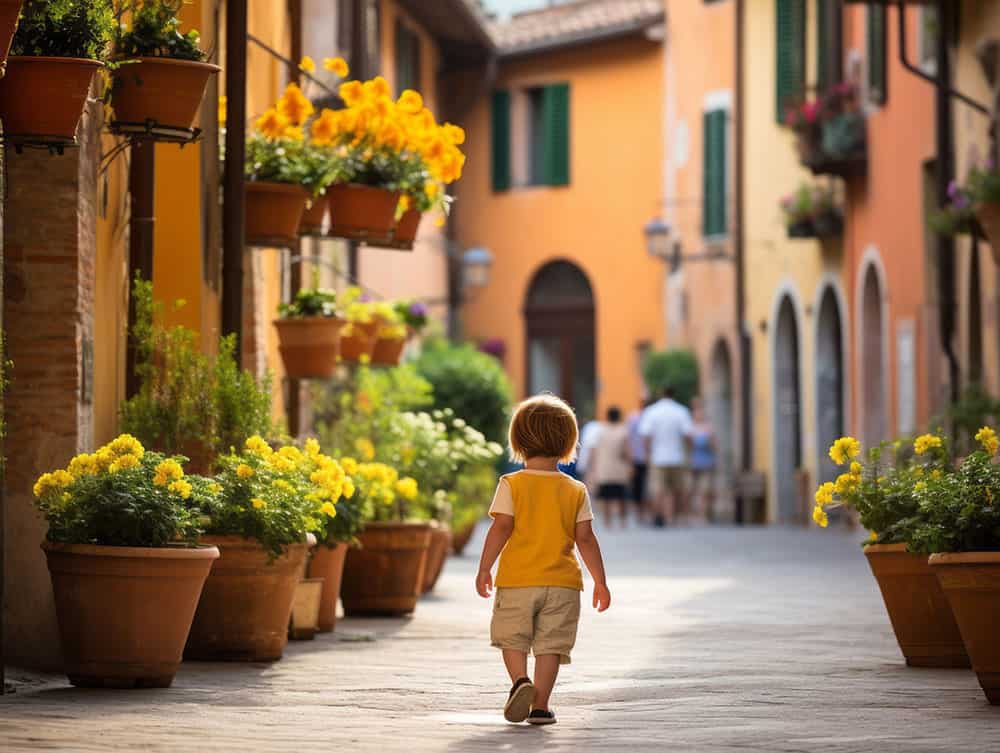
<point x="325" y="127"/>
<point x="272" y="124"/>
<point x="453" y="134"/>
<point x="307" y="64"/>
<point x="351" y="92"/>
<point x="337" y="66"/>
<point x="295" y="106"/>
<point x="410" y="102"/>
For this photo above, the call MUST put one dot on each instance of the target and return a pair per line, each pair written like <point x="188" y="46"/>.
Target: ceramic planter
<point x="388" y="351"/>
<point x="362" y="213"/>
<point x="461" y="537"/>
<point x="305" y="609"/>
<point x="309" y="346"/>
<point x="9" y="12"/>
<point x="971" y="581"/>
<point x="159" y="91"/>
<point x="358" y="343"/>
<point x="385" y="574"/>
<point x="328" y="563"/>
<point x="125" y="612"/>
<point x="247" y="601"/>
<point x="42" y="98"/>
<point x="273" y="212"/>
<point x="923" y="622"/>
<point x="989" y="220"/>
<point x="406" y="230"/>
<point x="312" y="218"/>
<point x="436" y="555"/>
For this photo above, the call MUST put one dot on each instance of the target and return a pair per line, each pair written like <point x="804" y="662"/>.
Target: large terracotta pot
<point x="358" y="343"/>
<point x="460" y="539"/>
<point x="9" y="12"/>
<point x="388" y="351"/>
<point x="312" y="218"/>
<point x="273" y="212"/>
<point x="362" y="213"/>
<point x="247" y="601"/>
<point x="406" y="230"/>
<point x="989" y="219"/>
<point x="309" y="346"/>
<point x="385" y="575"/>
<point x="436" y="555"/>
<point x="42" y="98"/>
<point x="305" y="609"/>
<point x="160" y="91"/>
<point x="918" y="610"/>
<point x="125" y="612"/>
<point x="971" y="581"/>
<point x="328" y="563"/>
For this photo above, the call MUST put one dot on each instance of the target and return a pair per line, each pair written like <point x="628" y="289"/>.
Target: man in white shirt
<point x="664" y="426"/>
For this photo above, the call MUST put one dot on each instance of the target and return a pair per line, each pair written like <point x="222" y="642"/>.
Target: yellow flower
<point x="350" y="465"/>
<point x="329" y="509"/>
<point x="312" y="448"/>
<point x="845" y="449"/>
<point x="167" y="471"/>
<point x="348" y="489"/>
<point x="988" y="439"/>
<point x="54" y="481"/>
<point x="280" y="483"/>
<point x="83" y="465"/>
<point x="873" y="536"/>
<point x="214" y="488"/>
<point x="291" y="452"/>
<point x="258" y="503"/>
<point x="453" y="133"/>
<point x="258" y="446"/>
<point x="244" y="471"/>
<point x="824" y="495"/>
<point x="410" y="102"/>
<point x="365" y="448"/>
<point x="920" y="486"/>
<point x="845" y="484"/>
<point x="222" y="109"/>
<point x="124" y="463"/>
<point x="272" y="124"/>
<point x="936" y="473"/>
<point x="103" y="458"/>
<point x="351" y="92"/>
<point x="856" y="468"/>
<point x="325" y="128"/>
<point x="337" y="66"/>
<point x="918" y="472"/>
<point x="820" y="516"/>
<point x="294" y="133"/>
<point x="926" y="442"/>
<point x="181" y="488"/>
<point x="407" y="488"/>
<point x="307" y="64"/>
<point x="126" y="444"/>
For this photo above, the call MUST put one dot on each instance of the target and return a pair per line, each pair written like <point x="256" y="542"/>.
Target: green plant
<point x="311" y="302"/>
<point x="153" y="30"/>
<point x="677" y="369"/>
<point x="958" y="215"/>
<point x="470" y="383"/>
<point x="123" y="495"/>
<point x="984" y="184"/>
<point x="973" y="409"/>
<point x="413" y="314"/>
<point x="65" y="28"/>
<point x="471" y="496"/>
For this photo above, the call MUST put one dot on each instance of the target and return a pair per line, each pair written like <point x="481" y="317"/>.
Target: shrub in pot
<point x="358" y="337"/>
<point x="160" y="75"/>
<point x="262" y="521"/>
<point x="126" y="569"/>
<point x="309" y="334"/>
<point x="883" y="488"/>
<point x="57" y="48"/>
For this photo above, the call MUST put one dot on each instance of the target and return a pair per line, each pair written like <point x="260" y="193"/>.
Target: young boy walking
<point x="539" y="516"/>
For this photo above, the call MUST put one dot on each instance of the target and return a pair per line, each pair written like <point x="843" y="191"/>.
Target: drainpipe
<point x="142" y="195"/>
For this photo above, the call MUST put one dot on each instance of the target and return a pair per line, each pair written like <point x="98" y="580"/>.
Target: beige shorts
<point x="670" y="479"/>
<point x="540" y="619"/>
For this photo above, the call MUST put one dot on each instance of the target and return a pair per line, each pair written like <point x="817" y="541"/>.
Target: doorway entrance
<point x="830" y="423"/>
<point x="787" y="413"/>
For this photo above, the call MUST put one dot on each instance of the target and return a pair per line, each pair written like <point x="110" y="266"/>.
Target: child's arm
<point x="590" y="550"/>
<point x="500" y="531"/>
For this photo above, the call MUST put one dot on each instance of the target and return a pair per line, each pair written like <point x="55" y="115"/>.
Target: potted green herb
<point x="309" y="334"/>
<point x="958" y="215"/>
<point x="57" y="47"/>
<point x="160" y="74"/>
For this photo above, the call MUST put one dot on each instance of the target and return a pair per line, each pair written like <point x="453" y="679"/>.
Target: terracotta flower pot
<point x="247" y="601"/>
<point x="125" y="612"/>
<point x="9" y="12"/>
<point x="436" y="555"/>
<point x="385" y="575"/>
<point x="158" y="90"/>
<point x="406" y="230"/>
<point x="388" y="351"/>
<point x="43" y="98"/>
<point x="362" y="213"/>
<point x="989" y="220"/>
<point x="971" y="581"/>
<point x="328" y="563"/>
<point x="309" y="346"/>
<point x="305" y="609"/>
<point x="358" y="343"/>
<point x="918" y="610"/>
<point x="460" y="539"/>
<point x="273" y="212"/>
<point x="312" y="218"/>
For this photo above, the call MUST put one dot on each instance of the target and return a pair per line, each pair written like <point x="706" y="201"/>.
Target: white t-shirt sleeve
<point x="645" y="427"/>
<point x="503" y="500"/>
<point x="586" y="511"/>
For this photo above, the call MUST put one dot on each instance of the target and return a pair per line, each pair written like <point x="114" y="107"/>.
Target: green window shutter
<point x="501" y="140"/>
<point x="714" y="220"/>
<point x="877" y="84"/>
<point x="555" y="108"/>
<point x="822" y="45"/>
<point x="790" y="44"/>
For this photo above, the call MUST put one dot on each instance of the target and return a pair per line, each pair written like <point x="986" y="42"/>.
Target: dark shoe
<point x="659" y="522"/>
<point x="541" y="717"/>
<point x="522" y="695"/>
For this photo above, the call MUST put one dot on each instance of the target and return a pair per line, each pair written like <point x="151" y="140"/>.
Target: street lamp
<point x="659" y="235"/>
<point x="476" y="263"/>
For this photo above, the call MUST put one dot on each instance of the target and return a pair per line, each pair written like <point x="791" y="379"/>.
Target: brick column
<point x="49" y="238"/>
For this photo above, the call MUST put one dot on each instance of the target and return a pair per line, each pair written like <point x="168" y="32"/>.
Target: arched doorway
<point x="830" y="424"/>
<point x="787" y="412"/>
<point x="874" y="421"/>
<point x="561" y="353"/>
<point x="720" y="404"/>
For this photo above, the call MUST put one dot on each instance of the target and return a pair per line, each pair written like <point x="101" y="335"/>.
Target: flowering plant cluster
<point x="808" y="203"/>
<point x="311" y="302"/>
<point x="958" y="215"/>
<point x="383" y="493"/>
<point x="829" y="126"/>
<point x="809" y="115"/>
<point x="124" y="495"/>
<point x="413" y="314"/>
<point x="151" y="28"/>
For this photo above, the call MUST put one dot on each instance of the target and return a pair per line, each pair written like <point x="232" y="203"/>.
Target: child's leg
<point x="546" y="671"/>
<point x="516" y="663"/>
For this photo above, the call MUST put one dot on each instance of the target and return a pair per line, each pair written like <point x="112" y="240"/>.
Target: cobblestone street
<point x="718" y="640"/>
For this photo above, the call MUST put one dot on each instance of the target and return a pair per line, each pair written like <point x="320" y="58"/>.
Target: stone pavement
<point x="733" y="640"/>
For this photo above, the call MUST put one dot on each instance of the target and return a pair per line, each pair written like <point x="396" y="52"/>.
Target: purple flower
<point x="960" y="201"/>
<point x="365" y="298"/>
<point x="418" y="309"/>
<point x="952" y="189"/>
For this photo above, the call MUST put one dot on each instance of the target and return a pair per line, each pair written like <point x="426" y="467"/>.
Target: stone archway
<point x="830" y="420"/>
<point x="787" y="409"/>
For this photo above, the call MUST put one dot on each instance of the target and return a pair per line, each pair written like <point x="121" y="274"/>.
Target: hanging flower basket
<point x="159" y="91"/>
<point x="309" y="346"/>
<point x="362" y="213"/>
<point x="385" y="575"/>
<point x="312" y="218"/>
<point x="357" y="342"/>
<point x="273" y="212"/>
<point x="388" y="351"/>
<point x="988" y="215"/>
<point x="42" y="98"/>
<point x="406" y="230"/>
<point x="9" y="12"/>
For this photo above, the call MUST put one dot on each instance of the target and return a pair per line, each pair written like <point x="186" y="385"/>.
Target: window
<point x="829" y="43"/>
<point x="540" y="157"/>
<point x="877" y="89"/>
<point x="791" y="54"/>
<point x="713" y="212"/>
<point x="407" y="57"/>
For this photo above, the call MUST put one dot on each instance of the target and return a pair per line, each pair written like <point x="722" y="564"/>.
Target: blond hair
<point x="543" y="426"/>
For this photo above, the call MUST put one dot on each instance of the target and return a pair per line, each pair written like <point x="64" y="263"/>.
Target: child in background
<point x="539" y="516"/>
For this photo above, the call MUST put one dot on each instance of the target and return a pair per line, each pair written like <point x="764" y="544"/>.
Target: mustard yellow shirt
<point x="546" y="506"/>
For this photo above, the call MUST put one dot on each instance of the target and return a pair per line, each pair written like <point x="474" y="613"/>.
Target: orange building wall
<point x="616" y="157"/>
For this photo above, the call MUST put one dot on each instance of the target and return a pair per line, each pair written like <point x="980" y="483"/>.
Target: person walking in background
<point x="611" y="467"/>
<point x="637" y="449"/>
<point x="589" y="435"/>
<point x="703" y="461"/>
<point x="664" y="426"/>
